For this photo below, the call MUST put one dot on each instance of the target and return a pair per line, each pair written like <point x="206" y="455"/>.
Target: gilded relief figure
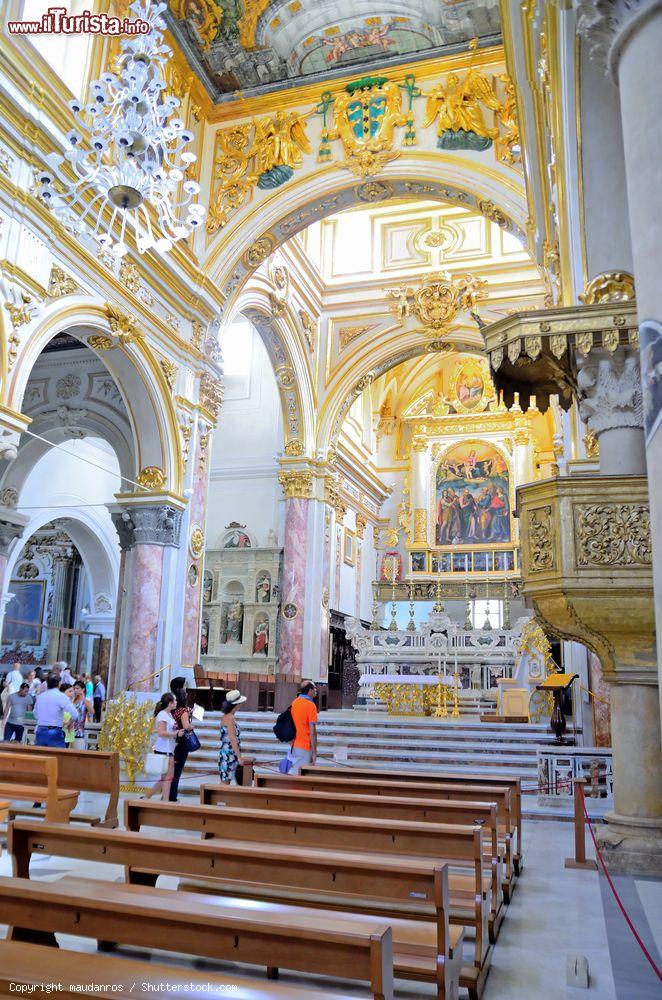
<point x="280" y="143"/>
<point x="457" y="106"/>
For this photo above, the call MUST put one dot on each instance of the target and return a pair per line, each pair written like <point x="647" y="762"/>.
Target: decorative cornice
<point x="606" y="26"/>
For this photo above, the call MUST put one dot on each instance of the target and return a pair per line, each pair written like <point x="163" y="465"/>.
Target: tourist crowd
<point x="62" y="705"/>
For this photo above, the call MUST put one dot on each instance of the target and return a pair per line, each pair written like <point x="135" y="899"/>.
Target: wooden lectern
<point x="558" y="684"/>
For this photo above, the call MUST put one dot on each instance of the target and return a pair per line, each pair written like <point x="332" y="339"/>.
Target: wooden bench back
<point x="150" y="919"/>
<point x="82" y="770"/>
<point x="461" y="844"/>
<point x="21" y="769"/>
<point x="379" y="876"/>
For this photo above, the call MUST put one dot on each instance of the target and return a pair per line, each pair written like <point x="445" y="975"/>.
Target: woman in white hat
<point x="230" y="757"/>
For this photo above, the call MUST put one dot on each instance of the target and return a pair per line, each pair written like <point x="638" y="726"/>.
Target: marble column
<point x="62" y="563"/>
<point x="197" y="518"/>
<point x="625" y="38"/>
<point x="295" y="548"/>
<point x="146" y="530"/>
<point x="610" y="402"/>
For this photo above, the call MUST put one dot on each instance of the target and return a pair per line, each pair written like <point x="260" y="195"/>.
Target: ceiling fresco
<point x="253" y="46"/>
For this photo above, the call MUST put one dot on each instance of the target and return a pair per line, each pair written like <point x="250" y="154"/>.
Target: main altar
<point x="427" y="671"/>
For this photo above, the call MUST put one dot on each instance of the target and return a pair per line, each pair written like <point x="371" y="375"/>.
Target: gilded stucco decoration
<point x="151" y="478"/>
<point x="263" y="153"/>
<point x="294" y="448"/>
<point x="364" y="118"/>
<point x="130" y="276"/>
<point x="169" y="369"/>
<point x="420" y="526"/>
<point x="60" y="283"/>
<point x="438" y="301"/>
<point x="309" y="328"/>
<point x="346" y="334"/>
<point x="211" y="393"/>
<point x="196" y="542"/>
<point x="99" y="342"/>
<point x="457" y="104"/>
<point x="22" y="312"/>
<point x="612" y="534"/>
<point x="123" y="325"/>
<point x="296" y="483"/>
<point x="540" y="539"/>
<point x="610" y="286"/>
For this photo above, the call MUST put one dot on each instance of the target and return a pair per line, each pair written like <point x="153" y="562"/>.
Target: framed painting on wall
<point x="25" y="612"/>
<point x="472" y="495"/>
<point x="349" y="549"/>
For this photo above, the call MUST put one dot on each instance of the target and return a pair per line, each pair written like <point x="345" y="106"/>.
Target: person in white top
<point x="166" y="734"/>
<point x="12" y="683"/>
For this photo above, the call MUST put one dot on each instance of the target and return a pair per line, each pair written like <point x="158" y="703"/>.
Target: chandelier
<point x="125" y="168"/>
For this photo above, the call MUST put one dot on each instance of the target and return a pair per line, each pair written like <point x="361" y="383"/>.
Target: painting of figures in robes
<point x="472" y="495"/>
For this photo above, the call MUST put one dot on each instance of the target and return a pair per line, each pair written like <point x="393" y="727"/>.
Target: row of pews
<point x="360" y="876"/>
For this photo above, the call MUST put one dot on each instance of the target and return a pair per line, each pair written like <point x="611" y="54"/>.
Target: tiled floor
<point x="555" y="914"/>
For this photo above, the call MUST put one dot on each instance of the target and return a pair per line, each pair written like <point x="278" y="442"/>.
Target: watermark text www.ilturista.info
<point x="56" y="21"/>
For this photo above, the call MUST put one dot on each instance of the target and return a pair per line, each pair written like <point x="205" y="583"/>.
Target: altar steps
<point x="373" y="739"/>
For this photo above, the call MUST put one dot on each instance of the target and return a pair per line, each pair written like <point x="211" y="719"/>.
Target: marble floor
<point x="555" y="914"/>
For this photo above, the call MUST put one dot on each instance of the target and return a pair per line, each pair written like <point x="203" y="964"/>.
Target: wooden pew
<point x="84" y="770"/>
<point x="151" y="918"/>
<point x="347" y="786"/>
<point x="380" y="807"/>
<point x="37" y="965"/>
<point x="35" y="779"/>
<point x="425" y="777"/>
<point x="413" y="892"/>
<point x="472" y="903"/>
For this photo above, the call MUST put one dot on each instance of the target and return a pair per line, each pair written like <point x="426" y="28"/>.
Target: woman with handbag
<point x="164" y="744"/>
<point x="230" y="756"/>
<point x="187" y="740"/>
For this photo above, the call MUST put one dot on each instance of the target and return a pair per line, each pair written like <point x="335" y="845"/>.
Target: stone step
<point x="405" y="745"/>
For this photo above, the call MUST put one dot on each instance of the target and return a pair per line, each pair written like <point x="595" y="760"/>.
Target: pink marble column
<point x="326" y="596"/>
<point x="193" y="589"/>
<point x="294" y="585"/>
<point x="601" y="708"/>
<point x="143" y="615"/>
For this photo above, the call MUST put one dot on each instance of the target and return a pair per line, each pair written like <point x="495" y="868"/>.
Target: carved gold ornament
<point x="197" y="334"/>
<point x="296" y="484"/>
<point x="123" y="325"/>
<point x="20" y="314"/>
<point x="610" y="286"/>
<point x="420" y="526"/>
<point x="361" y="524"/>
<point x="169" y="369"/>
<point x="258" y="252"/>
<point x="592" y="445"/>
<point x="151" y="478"/>
<point x="205" y="15"/>
<point x="364" y="118"/>
<point x="309" y="327"/>
<point x="491" y="212"/>
<point x="294" y="448"/>
<point x="508" y="143"/>
<point x="615" y="534"/>
<point x="60" y="283"/>
<point x="457" y="107"/>
<point x="346" y="334"/>
<point x="99" y="342"/>
<point x="263" y="153"/>
<point x="540" y="540"/>
<point x="196" y="542"/>
<point x="439" y="300"/>
<point x="211" y="394"/>
<point x="130" y="276"/>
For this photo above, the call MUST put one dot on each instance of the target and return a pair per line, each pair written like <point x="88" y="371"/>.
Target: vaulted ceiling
<point x="255" y="46"/>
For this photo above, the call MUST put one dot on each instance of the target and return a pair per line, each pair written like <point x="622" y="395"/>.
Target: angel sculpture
<point x="457" y="104"/>
<point x="400" y="305"/>
<point x="280" y="142"/>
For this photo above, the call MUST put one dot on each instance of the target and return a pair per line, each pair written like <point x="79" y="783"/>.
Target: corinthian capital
<point x="609" y="387"/>
<point x="606" y="26"/>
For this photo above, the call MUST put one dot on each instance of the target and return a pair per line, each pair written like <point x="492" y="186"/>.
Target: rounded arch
<point x="293" y="377"/>
<point x="100" y="556"/>
<point x="242" y="247"/>
<point x="135" y="370"/>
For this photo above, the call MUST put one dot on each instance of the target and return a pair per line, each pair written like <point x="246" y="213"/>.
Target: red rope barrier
<point x="610" y="882"/>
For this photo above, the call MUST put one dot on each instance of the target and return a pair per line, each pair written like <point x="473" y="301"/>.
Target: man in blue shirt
<point x="49" y="709"/>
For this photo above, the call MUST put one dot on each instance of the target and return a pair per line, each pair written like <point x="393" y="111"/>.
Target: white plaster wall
<point x="244" y="483"/>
